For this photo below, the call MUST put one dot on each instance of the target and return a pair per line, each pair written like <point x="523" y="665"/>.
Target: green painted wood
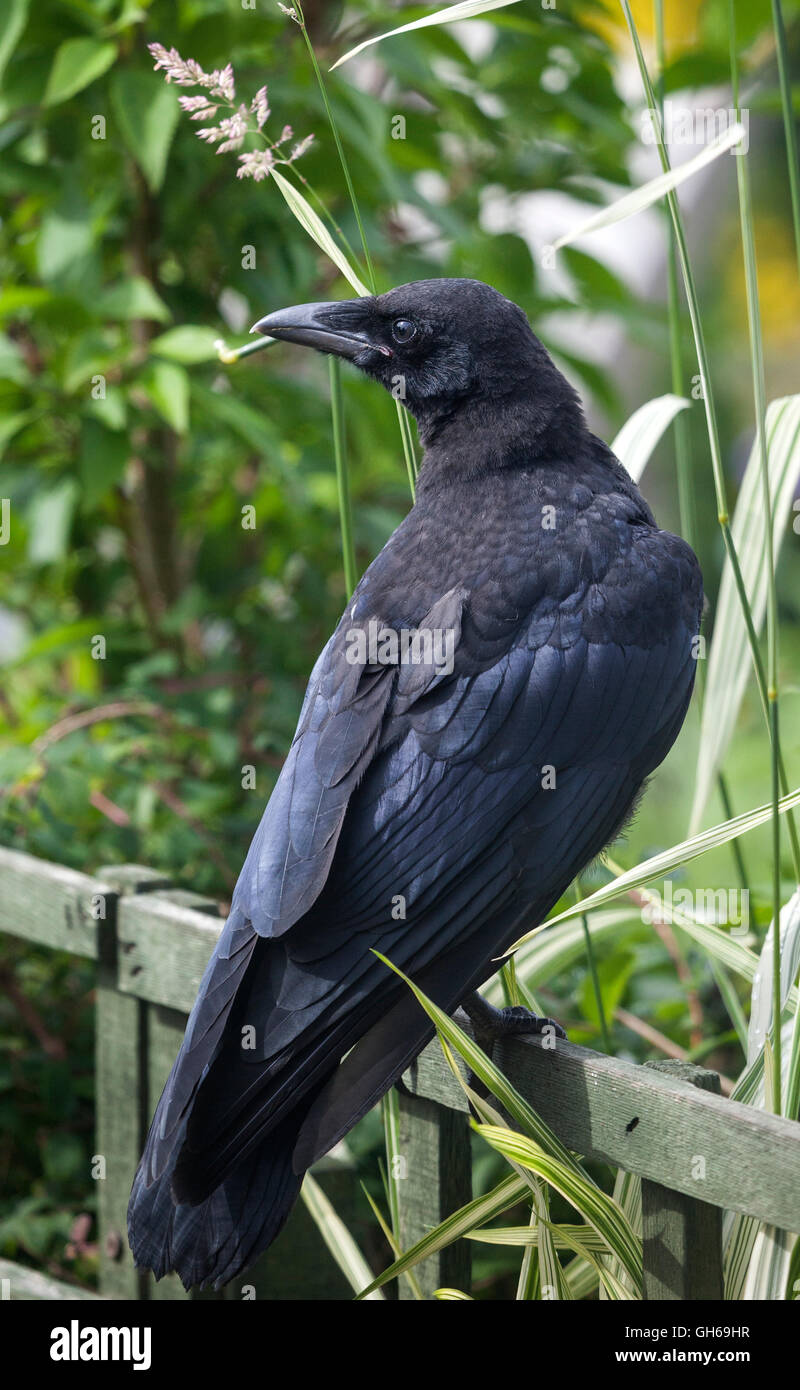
<point x="196" y="902"/>
<point x="298" y="1267"/>
<point x="118" y="1088"/>
<point x="164" y="949"/>
<point x="130" y="879"/>
<point x="52" y="905"/>
<point x="120" y="1092"/>
<point x="433" y="1170"/>
<point x="682" y="1235"/>
<point x="17" y="1282"/>
<point x="646" y="1122"/>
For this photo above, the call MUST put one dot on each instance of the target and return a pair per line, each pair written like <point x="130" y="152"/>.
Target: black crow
<point x="511" y="668"/>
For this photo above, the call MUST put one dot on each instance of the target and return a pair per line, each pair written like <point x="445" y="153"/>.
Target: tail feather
<point x="209" y="1244"/>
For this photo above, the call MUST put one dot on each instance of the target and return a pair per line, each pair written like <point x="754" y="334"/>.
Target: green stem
<point x="777" y="1041"/>
<point x="408" y="448"/>
<point x="680" y="424"/>
<point x="590" y="956"/>
<point x="760" y="402"/>
<point x="340" y="148"/>
<point x="730" y="999"/>
<point x="528" y="1283"/>
<point x="790" y="129"/>
<point x="342" y="480"/>
<point x="736" y="849"/>
<point x="403" y="421"/>
<point x="230" y="355"/>
<point x="390" y="1112"/>
<point x="329" y="217"/>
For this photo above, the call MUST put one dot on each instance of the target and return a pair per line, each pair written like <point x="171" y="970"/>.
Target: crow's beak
<point x="316" y="325"/>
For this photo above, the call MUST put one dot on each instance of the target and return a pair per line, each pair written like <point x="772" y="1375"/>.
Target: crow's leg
<point x="489" y="1023"/>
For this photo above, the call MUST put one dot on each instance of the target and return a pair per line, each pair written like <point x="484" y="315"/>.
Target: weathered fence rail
<point x="696" y="1152"/>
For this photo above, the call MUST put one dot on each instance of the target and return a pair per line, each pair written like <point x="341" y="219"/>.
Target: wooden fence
<point x="696" y="1152"/>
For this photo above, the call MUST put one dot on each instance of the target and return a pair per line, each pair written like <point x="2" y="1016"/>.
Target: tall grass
<point x="760" y="405"/>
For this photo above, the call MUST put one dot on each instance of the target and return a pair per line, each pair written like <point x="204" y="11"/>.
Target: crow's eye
<point x="403" y="330"/>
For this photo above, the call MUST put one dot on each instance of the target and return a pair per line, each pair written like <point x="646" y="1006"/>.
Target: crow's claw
<point x="490" y="1023"/>
<point x="516" y="1019"/>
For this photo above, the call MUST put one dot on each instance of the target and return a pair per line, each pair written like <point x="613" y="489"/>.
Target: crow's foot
<point x="491" y="1023"/>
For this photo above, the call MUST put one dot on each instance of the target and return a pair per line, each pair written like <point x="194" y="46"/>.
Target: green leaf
<point x="622" y="1247"/>
<point x="12" y="424"/>
<point x="768" y="1266"/>
<point x="147" y="114"/>
<point x="526" y="1235"/>
<point x="670" y="859"/>
<point x="475" y="1213"/>
<point x="337" y="1237"/>
<point x="628" y="1197"/>
<point x="253" y="426"/>
<point x="134" y="298"/>
<point x="792" y="1104"/>
<point x="65" y="237"/>
<point x="167" y="386"/>
<point x="490" y="1074"/>
<point x="102" y="461"/>
<point x="581" y="1278"/>
<point x="729" y="665"/>
<point x="640" y="434"/>
<point x="49" y="521"/>
<point x="318" y="232"/>
<point x="761" y="997"/>
<point x="77" y="63"/>
<point x="551" y="1281"/>
<point x="555" y="1163"/>
<point x="593" y="1204"/>
<point x="16" y="297"/>
<point x="12" y="22"/>
<point x="552" y="949"/>
<point x="189" y="343"/>
<point x="411" y="1279"/>
<point x="583" y="1240"/>
<point x="715" y="940"/>
<point x="758" y="1256"/>
<point x="466" y="9"/>
<point x="613" y="974"/>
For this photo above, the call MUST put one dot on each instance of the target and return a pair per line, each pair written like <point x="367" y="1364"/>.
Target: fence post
<point x="434" y="1150"/>
<point x="121" y="1091"/>
<point x="681" y="1236"/>
<point x="163" y="1034"/>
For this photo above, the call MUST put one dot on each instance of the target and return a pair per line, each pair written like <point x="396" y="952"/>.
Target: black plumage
<point x="471" y="796"/>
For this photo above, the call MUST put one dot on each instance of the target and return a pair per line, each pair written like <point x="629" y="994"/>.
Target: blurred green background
<point x="128" y="451"/>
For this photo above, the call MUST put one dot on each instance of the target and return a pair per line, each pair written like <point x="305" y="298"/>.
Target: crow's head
<point x="439" y="346"/>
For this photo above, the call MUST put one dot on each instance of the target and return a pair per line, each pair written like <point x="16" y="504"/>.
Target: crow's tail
<point x="209" y="1244"/>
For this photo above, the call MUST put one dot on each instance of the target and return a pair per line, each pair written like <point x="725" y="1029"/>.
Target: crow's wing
<point x="290" y="856"/>
<point x="415" y="822"/>
<point x="337" y="736"/>
<point x="452" y="811"/>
